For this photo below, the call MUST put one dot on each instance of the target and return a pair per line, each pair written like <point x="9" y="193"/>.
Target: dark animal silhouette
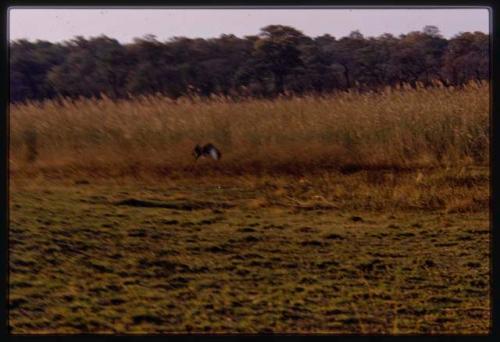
<point x="209" y="150"/>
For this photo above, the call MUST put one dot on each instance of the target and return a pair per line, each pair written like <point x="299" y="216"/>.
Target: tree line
<point x="279" y="60"/>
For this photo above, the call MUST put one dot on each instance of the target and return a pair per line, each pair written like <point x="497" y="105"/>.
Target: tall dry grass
<point x="399" y="128"/>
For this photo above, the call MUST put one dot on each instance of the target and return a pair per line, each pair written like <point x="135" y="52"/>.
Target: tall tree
<point x="467" y="57"/>
<point x="91" y="68"/>
<point x="277" y="53"/>
<point x="30" y="64"/>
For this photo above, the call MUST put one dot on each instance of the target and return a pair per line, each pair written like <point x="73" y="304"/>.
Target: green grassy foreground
<point x="332" y="254"/>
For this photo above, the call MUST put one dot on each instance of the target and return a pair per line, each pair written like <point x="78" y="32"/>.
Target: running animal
<point x="209" y="150"/>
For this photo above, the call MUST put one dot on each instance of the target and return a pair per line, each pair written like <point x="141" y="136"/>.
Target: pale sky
<point x="125" y="24"/>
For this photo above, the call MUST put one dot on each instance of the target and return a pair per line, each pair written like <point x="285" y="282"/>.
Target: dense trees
<point x="279" y="60"/>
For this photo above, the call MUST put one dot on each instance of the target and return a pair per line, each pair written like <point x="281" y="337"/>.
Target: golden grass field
<point x="349" y="213"/>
